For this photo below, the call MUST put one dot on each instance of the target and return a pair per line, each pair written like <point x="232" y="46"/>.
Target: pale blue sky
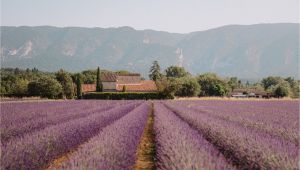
<point x="167" y="15"/>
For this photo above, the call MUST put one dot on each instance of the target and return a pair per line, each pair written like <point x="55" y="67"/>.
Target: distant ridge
<point x="246" y="51"/>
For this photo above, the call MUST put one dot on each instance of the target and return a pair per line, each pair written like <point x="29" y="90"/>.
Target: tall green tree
<point x="45" y="86"/>
<point x="34" y="88"/>
<point x="233" y="83"/>
<point x="282" y="89"/>
<point x="99" y="82"/>
<point x="167" y="87"/>
<point x="65" y="80"/>
<point x="20" y="87"/>
<point x="176" y="72"/>
<point x="78" y="87"/>
<point x="8" y="82"/>
<point x="212" y="85"/>
<point x="271" y="81"/>
<point x="155" y="73"/>
<point x="89" y="76"/>
<point x="187" y="87"/>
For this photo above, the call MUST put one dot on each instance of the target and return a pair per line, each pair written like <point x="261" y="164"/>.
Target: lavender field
<point x="197" y="134"/>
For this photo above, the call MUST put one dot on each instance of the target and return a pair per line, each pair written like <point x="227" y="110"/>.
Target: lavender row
<point x="18" y="113"/>
<point x="276" y="113"/>
<point x="248" y="149"/>
<point x="181" y="147"/>
<point x="256" y="124"/>
<point x="36" y="150"/>
<point x="114" y="147"/>
<point x="281" y="123"/>
<point x="18" y="130"/>
<point x="12" y="112"/>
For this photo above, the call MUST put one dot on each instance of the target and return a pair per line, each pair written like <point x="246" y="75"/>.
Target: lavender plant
<point x="114" y="147"/>
<point x="36" y="150"/>
<point x="181" y="147"/>
<point x="276" y="118"/>
<point x="50" y="118"/>
<point x="247" y="148"/>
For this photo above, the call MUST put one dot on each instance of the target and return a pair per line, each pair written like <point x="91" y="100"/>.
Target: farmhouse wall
<point x="109" y="86"/>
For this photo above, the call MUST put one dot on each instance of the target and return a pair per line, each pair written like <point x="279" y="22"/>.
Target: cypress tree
<point x="155" y="71"/>
<point x="78" y="85"/>
<point x="124" y="89"/>
<point x="99" y="82"/>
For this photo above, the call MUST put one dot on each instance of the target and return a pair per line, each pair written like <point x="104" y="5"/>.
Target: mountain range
<point x="245" y="51"/>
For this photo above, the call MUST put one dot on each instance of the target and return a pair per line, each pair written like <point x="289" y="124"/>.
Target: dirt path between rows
<point x="146" y="149"/>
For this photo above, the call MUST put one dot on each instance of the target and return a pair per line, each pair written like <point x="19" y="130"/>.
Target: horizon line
<point x="147" y="29"/>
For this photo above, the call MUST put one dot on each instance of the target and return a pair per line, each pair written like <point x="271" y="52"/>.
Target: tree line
<point x="17" y="82"/>
<point x="176" y="81"/>
<point x="173" y="81"/>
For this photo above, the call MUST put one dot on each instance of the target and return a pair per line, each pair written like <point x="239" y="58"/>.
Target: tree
<point x="122" y="72"/>
<point x="78" y="87"/>
<point x="35" y="70"/>
<point x="155" y="71"/>
<point x="176" y="72"/>
<point x="295" y="87"/>
<point x="296" y="90"/>
<point x="89" y="76"/>
<point x="34" y="89"/>
<point x="67" y="84"/>
<point x="247" y="84"/>
<point x="187" y="87"/>
<point x="233" y="83"/>
<point x="46" y="86"/>
<point x="98" y="82"/>
<point x="17" y="71"/>
<point x="166" y="87"/>
<point x="239" y="83"/>
<point x="20" y="87"/>
<point x="291" y="81"/>
<point x="212" y="85"/>
<point x="8" y="82"/>
<point x="271" y="81"/>
<point x="218" y="89"/>
<point x="124" y="89"/>
<point x="258" y="87"/>
<point x="282" y="90"/>
<point x="2" y="90"/>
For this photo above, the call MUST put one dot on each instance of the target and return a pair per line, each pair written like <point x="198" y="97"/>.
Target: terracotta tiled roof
<point x="88" y="87"/>
<point x="128" y="79"/>
<point x="144" y="86"/>
<point x="120" y="77"/>
<point x="128" y="74"/>
<point x="108" y="77"/>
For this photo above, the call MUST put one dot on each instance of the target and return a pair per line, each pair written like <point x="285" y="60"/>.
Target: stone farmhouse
<point x="114" y="82"/>
<point x="249" y="93"/>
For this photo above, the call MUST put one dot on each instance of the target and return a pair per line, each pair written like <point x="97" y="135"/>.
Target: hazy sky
<point x="167" y="15"/>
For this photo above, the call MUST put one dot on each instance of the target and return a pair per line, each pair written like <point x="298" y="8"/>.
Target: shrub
<point x="123" y="95"/>
<point x="212" y="85"/>
<point x="187" y="87"/>
<point x="45" y="87"/>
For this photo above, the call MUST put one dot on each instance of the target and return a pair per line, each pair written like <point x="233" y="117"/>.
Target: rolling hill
<point x="246" y="51"/>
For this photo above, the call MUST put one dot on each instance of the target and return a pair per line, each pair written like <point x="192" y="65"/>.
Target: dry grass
<point x="232" y="98"/>
<point x="57" y="162"/>
<point x="26" y="99"/>
<point x="146" y="149"/>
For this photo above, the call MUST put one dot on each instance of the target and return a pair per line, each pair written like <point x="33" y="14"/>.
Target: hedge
<point x="123" y="95"/>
